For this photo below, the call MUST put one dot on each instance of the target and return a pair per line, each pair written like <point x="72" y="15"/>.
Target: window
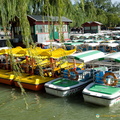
<point x="94" y="28"/>
<point x="87" y="28"/>
<point x="46" y="28"/>
<point x="41" y="28"/>
<point x="64" y="28"/>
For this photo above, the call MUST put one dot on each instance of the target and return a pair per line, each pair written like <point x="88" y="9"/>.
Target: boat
<point x="6" y="77"/>
<point x="92" y="46"/>
<point x="36" y="82"/>
<point x="109" y="47"/>
<point x="31" y="82"/>
<point x="8" y="74"/>
<point x="72" y="45"/>
<point x="75" y="79"/>
<point x="57" y="62"/>
<point x="105" y="90"/>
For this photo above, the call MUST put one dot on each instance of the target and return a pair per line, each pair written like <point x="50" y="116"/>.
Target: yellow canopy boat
<point x="31" y="82"/>
<point x="6" y="77"/>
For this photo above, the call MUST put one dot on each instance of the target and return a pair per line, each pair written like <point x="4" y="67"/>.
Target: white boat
<point x="74" y="80"/>
<point x="105" y="90"/>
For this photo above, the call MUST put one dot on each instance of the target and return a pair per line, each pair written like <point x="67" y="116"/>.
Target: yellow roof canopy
<point x="58" y="53"/>
<point x="10" y="51"/>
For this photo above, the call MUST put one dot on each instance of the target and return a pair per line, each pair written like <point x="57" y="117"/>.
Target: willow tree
<point x="9" y="9"/>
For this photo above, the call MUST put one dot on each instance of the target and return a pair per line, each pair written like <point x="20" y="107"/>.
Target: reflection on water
<point x="42" y="106"/>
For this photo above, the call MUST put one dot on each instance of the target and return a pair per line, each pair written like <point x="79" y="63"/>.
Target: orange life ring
<point x="69" y="76"/>
<point x="112" y="51"/>
<point x="79" y="50"/>
<point x="111" y="74"/>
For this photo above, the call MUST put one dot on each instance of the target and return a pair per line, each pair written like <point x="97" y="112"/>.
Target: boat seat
<point x="84" y="49"/>
<point x="107" y="71"/>
<point x="78" y="68"/>
<point x="93" y="72"/>
<point x="114" y="48"/>
<point x="65" y="73"/>
<point x="89" y="48"/>
<point x="87" y="76"/>
<point x="79" y="71"/>
<point x="101" y="73"/>
<point x="99" y="77"/>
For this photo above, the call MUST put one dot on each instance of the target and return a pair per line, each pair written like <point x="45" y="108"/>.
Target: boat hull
<point x="101" y="101"/>
<point x="30" y="86"/>
<point x="31" y="82"/>
<point x="7" y="81"/>
<point x="64" y="91"/>
<point x="6" y="77"/>
<point x="101" y="98"/>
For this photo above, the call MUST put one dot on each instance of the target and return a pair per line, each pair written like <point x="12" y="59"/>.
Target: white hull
<point x="65" y="91"/>
<point x="100" y="98"/>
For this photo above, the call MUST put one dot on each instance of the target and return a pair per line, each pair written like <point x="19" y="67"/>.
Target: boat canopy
<point x="11" y="50"/>
<point x="58" y="53"/>
<point x="19" y="51"/>
<point x="112" y="56"/>
<point x="88" y="56"/>
<point x="92" y="44"/>
<point x="74" y="44"/>
<point x="113" y="44"/>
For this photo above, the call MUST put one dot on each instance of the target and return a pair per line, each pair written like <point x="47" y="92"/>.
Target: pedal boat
<point x="31" y="82"/>
<point x="75" y="79"/>
<point x="105" y="90"/>
<point x="36" y="82"/>
<point x="6" y="77"/>
<point x="101" y="94"/>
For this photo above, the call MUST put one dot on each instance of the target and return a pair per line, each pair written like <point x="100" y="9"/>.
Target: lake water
<point x="42" y="106"/>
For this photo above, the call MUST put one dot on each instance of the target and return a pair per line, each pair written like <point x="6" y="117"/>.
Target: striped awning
<point x="74" y="44"/>
<point x="113" y="56"/>
<point x="88" y="56"/>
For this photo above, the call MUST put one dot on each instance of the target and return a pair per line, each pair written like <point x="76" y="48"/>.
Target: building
<point x="4" y="36"/>
<point x="92" y="27"/>
<point x="44" y="28"/>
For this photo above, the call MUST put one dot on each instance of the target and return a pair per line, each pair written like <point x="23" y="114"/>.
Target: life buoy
<point x="111" y="74"/>
<point x="112" y="51"/>
<point x="75" y="72"/>
<point x="79" y="50"/>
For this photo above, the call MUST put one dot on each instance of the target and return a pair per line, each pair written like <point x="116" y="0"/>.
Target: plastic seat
<point x="78" y="68"/>
<point x="89" y="48"/>
<point x="101" y="74"/>
<point x="65" y="73"/>
<point x="99" y="77"/>
<point x="92" y="71"/>
<point x="87" y="76"/>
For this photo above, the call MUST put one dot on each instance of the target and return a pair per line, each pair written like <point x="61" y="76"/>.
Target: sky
<point x="113" y="1"/>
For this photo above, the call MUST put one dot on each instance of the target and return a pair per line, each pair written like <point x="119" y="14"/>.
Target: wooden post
<point x="74" y="63"/>
<point x="6" y="56"/>
<point x="32" y="65"/>
<point x="27" y="64"/>
<point x="52" y="65"/>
